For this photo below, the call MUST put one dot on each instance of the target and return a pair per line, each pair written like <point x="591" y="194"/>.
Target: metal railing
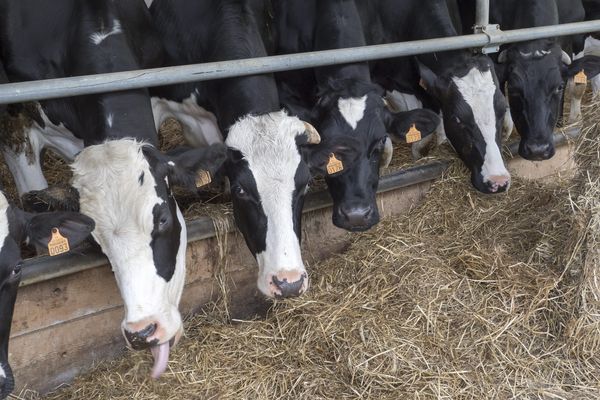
<point x="91" y="84"/>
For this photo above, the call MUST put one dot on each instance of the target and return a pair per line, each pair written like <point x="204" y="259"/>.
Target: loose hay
<point x="465" y="297"/>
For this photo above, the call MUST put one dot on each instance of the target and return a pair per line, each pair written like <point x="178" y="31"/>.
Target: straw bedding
<point x="465" y="297"/>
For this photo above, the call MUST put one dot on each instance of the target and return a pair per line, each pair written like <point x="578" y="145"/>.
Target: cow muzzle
<point x="536" y="151"/>
<point x="285" y="284"/>
<point x="355" y="217"/>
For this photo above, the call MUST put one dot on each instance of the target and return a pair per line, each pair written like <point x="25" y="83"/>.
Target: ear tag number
<point x="413" y="135"/>
<point x="581" y="78"/>
<point x="203" y="178"/>
<point x="58" y="243"/>
<point x="334" y="165"/>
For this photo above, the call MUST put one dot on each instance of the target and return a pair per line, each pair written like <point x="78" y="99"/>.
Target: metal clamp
<point x="490" y="31"/>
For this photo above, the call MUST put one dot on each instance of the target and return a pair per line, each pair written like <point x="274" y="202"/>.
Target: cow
<point x="341" y="102"/>
<point x="586" y="59"/>
<point x="270" y="154"/>
<point x="463" y="85"/>
<point x="120" y="179"/>
<point x="18" y="227"/>
<point x="535" y="71"/>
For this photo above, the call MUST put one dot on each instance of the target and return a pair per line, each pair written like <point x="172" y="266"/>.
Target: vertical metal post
<point x="482" y="15"/>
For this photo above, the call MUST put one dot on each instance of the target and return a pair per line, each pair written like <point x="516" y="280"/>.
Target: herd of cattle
<point x="268" y="134"/>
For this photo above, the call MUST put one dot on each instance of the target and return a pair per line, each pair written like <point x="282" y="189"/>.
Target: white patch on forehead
<point x="107" y="178"/>
<point x="353" y="109"/>
<point x="110" y="120"/>
<point x="477" y="89"/>
<point x="268" y="144"/>
<point x="2" y="373"/>
<point x="4" y="230"/>
<point x="149" y="3"/>
<point x="100" y="36"/>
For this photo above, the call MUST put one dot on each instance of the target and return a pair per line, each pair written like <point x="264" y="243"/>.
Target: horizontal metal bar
<point x="89" y="84"/>
<point x="39" y="269"/>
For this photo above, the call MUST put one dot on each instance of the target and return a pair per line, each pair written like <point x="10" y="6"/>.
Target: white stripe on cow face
<point x="2" y="373"/>
<point x="268" y="144"/>
<point x="107" y="178"/>
<point x="4" y="230"/>
<point x="100" y="36"/>
<point x="477" y="89"/>
<point x="352" y="109"/>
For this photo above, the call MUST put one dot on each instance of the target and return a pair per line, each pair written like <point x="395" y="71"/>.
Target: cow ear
<point x="185" y="165"/>
<point x="399" y="124"/>
<point x="503" y="57"/>
<point x="74" y="226"/>
<point x="429" y="79"/>
<point x="332" y="158"/>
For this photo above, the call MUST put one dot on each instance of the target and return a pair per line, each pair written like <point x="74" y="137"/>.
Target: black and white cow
<point x="534" y="71"/>
<point x="462" y="85"/>
<point x="342" y="102"/>
<point x="123" y="182"/>
<point x="17" y="227"/>
<point x="270" y="154"/>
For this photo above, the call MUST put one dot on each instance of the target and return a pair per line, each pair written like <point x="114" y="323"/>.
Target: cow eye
<point x="559" y="89"/>
<point x="238" y="191"/>
<point x="17" y="269"/>
<point x="163" y="221"/>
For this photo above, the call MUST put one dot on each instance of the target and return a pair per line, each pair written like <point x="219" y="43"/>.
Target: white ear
<point x="502" y="57"/>
<point x="566" y="59"/>
<point x="388" y="152"/>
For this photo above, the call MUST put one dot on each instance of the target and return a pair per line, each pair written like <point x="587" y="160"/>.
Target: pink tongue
<point x="161" y="358"/>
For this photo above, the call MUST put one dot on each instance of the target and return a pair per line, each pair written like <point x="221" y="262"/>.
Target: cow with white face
<point x="125" y="186"/>
<point x="17" y="227"/>
<point x="270" y="154"/>
<point x="120" y="179"/>
<point x="463" y="86"/>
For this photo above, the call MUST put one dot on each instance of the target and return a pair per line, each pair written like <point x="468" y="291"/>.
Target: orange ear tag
<point x="413" y="135"/>
<point x="203" y="178"/>
<point x="334" y="165"/>
<point x="581" y="78"/>
<point x="58" y="243"/>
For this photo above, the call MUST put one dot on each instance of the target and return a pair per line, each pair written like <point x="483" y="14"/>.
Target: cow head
<point x="535" y="76"/>
<point x="125" y="186"/>
<point x="16" y="227"/>
<point x="355" y="112"/>
<point x="473" y="109"/>
<point x="269" y="164"/>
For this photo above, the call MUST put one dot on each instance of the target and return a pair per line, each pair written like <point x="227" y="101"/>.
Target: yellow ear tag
<point x="58" y="243"/>
<point x="203" y="178"/>
<point x="413" y="135"/>
<point x="581" y="78"/>
<point x="334" y="165"/>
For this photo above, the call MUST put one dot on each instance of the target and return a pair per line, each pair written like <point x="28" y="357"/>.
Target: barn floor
<point x="465" y="297"/>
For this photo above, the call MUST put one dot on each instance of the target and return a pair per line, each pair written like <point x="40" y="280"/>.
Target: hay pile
<point x="465" y="297"/>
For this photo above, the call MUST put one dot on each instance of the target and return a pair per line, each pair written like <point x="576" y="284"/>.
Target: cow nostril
<point x="138" y="340"/>
<point x="289" y="284"/>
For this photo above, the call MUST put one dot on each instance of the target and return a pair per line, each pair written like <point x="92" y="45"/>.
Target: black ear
<point x="185" y="164"/>
<point x="344" y="149"/>
<point x="589" y="64"/>
<point x="398" y="124"/>
<point x="429" y="80"/>
<point x="74" y="226"/>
